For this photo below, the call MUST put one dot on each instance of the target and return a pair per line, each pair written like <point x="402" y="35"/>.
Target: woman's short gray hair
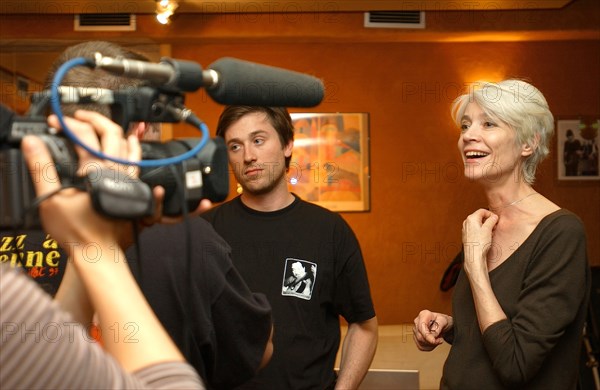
<point x="521" y="106"/>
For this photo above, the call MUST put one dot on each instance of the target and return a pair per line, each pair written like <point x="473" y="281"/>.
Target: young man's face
<point x="256" y="154"/>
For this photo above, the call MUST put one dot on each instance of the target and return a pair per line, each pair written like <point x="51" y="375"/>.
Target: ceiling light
<point x="164" y="10"/>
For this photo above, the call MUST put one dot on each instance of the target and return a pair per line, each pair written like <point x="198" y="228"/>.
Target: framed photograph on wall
<point x="330" y="161"/>
<point x="577" y="149"/>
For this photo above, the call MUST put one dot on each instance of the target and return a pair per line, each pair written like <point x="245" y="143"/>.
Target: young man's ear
<point x="287" y="151"/>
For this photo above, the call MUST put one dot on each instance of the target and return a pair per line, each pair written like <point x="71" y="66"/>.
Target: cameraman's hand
<point x="68" y="215"/>
<point x="204" y="205"/>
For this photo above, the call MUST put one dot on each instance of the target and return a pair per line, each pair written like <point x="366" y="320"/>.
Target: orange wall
<point x="418" y="196"/>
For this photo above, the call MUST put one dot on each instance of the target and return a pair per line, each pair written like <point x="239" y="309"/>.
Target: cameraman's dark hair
<point x="278" y="117"/>
<point x="85" y="77"/>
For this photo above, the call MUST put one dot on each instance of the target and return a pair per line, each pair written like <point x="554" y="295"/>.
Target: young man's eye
<point x="234" y="147"/>
<point x="259" y="141"/>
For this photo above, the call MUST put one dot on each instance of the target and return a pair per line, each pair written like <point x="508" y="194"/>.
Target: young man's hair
<point x="278" y="117"/>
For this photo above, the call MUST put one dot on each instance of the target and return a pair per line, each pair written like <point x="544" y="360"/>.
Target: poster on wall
<point x="330" y="161"/>
<point x="577" y="149"/>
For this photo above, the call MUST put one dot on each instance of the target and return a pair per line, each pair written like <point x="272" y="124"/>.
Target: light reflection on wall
<point x="488" y="62"/>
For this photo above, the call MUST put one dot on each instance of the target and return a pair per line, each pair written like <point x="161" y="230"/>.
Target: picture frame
<point x="578" y="142"/>
<point x="330" y="161"/>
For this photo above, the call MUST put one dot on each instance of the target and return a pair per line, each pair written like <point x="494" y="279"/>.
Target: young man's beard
<point x="261" y="188"/>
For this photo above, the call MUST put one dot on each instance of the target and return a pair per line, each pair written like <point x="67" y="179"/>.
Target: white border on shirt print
<point x="310" y="269"/>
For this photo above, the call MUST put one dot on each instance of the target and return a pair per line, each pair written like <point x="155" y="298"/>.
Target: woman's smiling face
<point x="488" y="147"/>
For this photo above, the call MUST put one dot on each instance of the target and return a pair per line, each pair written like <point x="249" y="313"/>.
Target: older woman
<point x="520" y="302"/>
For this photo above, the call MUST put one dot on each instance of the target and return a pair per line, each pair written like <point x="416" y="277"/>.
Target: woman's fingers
<point x="99" y="133"/>
<point x="490" y="221"/>
<point x="86" y="134"/>
<point x="427" y="330"/>
<point x="41" y="166"/>
<point x="134" y="148"/>
<point x="110" y="134"/>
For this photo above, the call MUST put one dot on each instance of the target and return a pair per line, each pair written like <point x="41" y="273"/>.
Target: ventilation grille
<point x="395" y="19"/>
<point x="105" y="22"/>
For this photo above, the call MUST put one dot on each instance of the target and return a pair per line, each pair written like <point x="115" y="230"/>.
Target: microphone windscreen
<point x="250" y="84"/>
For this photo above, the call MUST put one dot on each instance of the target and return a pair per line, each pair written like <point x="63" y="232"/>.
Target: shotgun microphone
<point x="246" y="83"/>
<point x="227" y="81"/>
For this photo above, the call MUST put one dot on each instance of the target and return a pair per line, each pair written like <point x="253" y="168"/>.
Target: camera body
<point x="203" y="176"/>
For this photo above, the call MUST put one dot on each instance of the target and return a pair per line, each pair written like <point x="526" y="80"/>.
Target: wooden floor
<point x="396" y="350"/>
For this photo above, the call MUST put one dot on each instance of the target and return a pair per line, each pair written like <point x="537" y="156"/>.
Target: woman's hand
<point x="477" y="242"/>
<point x="477" y="239"/>
<point x="429" y="329"/>
<point x="68" y="215"/>
<point x="92" y="241"/>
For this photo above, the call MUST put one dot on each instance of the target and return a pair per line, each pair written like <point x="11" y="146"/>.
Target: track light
<point x="164" y="10"/>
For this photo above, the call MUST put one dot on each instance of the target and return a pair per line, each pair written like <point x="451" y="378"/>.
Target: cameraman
<point x="41" y="346"/>
<point x="221" y="327"/>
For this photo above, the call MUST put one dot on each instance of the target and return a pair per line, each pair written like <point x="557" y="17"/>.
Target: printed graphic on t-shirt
<point x="37" y="254"/>
<point x="299" y="278"/>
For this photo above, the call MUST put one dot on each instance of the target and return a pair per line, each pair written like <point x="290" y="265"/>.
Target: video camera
<point x="189" y="169"/>
<point x="204" y="175"/>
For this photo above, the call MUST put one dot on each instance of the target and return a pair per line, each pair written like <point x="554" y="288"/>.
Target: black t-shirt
<point x="37" y="254"/>
<point x="308" y="263"/>
<point x="219" y="325"/>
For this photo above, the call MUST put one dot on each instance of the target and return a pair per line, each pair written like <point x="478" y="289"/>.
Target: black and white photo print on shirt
<point x="299" y="277"/>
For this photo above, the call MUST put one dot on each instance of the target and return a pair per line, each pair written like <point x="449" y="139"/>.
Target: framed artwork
<point x="577" y="149"/>
<point x="330" y="161"/>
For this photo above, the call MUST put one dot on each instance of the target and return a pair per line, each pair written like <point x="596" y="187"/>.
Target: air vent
<point x="105" y="22"/>
<point x="395" y="19"/>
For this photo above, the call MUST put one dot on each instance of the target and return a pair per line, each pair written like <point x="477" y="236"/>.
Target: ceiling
<point x="244" y="6"/>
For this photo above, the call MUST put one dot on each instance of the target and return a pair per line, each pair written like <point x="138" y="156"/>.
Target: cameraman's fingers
<point x="159" y="194"/>
<point x="41" y="167"/>
<point x="204" y="205"/>
<point x="159" y="197"/>
<point x="111" y="134"/>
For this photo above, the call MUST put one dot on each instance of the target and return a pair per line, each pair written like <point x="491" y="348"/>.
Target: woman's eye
<point x="464" y="127"/>
<point x="489" y="124"/>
